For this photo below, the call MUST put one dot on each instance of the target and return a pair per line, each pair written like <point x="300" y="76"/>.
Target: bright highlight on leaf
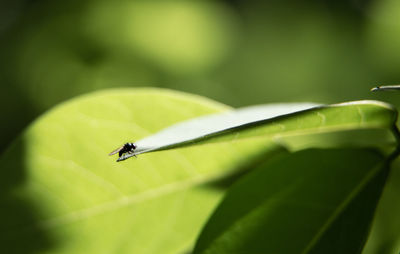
<point x="279" y="122"/>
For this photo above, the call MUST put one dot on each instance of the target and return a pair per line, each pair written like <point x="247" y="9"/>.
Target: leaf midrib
<point x="274" y="136"/>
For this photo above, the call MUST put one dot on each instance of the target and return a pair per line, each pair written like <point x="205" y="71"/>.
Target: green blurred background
<point x="236" y="52"/>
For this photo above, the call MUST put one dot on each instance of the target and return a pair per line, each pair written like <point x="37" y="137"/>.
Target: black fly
<point x="127" y="148"/>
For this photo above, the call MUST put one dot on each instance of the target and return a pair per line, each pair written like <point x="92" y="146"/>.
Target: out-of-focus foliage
<point x="238" y="52"/>
<point x="383" y="36"/>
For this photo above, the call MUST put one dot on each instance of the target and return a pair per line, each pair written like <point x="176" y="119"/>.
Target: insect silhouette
<point x="126" y="148"/>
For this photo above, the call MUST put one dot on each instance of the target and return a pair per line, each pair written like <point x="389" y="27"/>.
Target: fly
<point x="128" y="148"/>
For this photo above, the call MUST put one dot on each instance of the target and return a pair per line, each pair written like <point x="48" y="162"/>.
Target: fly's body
<point x="126" y="148"/>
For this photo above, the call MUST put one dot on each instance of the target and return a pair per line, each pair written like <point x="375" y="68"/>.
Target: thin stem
<point x="386" y="88"/>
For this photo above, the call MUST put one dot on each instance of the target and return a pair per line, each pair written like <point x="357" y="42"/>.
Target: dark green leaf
<point x="385" y="233"/>
<point x="312" y="201"/>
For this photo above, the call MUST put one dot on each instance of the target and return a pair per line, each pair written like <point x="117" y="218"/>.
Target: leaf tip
<point x="374" y="89"/>
<point x="386" y="88"/>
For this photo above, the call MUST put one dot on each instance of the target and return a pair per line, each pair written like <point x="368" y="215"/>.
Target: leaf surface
<point x="312" y="201"/>
<point x="60" y="192"/>
<point x="296" y="125"/>
<point x="385" y="232"/>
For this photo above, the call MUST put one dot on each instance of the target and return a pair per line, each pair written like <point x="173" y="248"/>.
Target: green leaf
<point x="297" y="126"/>
<point x="312" y="201"/>
<point x="385" y="232"/>
<point x="60" y="192"/>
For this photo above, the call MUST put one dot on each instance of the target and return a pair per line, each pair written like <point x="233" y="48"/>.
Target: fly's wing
<point x="116" y="151"/>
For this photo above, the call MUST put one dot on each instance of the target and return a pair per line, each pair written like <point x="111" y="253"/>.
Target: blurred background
<point x="236" y="52"/>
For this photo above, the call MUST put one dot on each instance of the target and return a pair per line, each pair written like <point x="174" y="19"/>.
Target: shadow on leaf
<point x="19" y="231"/>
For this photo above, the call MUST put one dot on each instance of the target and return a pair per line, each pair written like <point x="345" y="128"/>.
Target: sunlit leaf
<point x="60" y="192"/>
<point x="297" y="125"/>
